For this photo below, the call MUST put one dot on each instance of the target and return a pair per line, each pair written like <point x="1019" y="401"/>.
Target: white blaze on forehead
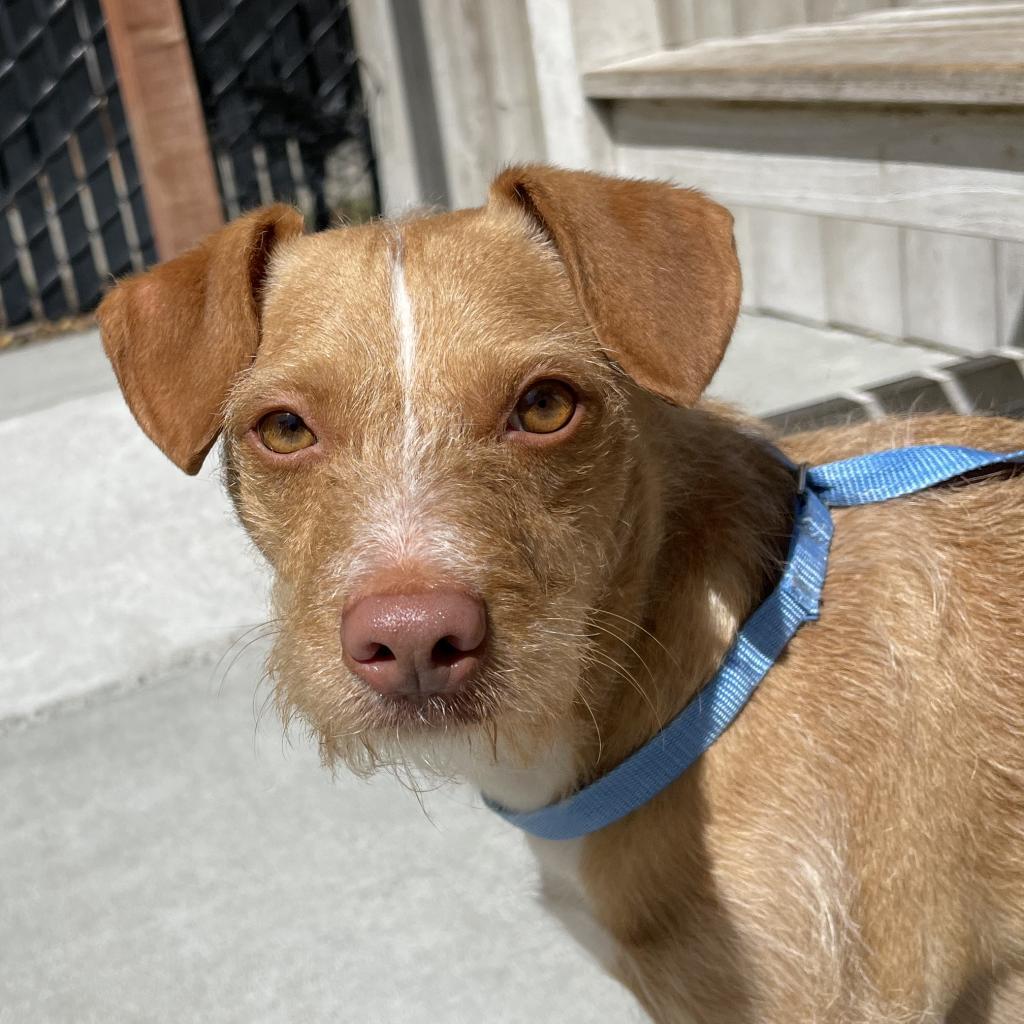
<point x="402" y="523"/>
<point x="398" y="529"/>
<point x="405" y="331"/>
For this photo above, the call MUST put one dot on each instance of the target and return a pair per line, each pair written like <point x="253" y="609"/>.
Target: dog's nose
<point x="414" y="645"/>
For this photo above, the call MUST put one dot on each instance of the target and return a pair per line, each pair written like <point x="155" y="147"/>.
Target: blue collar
<point x="795" y="600"/>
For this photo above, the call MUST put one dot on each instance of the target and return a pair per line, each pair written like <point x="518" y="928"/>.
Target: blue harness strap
<point x="795" y="600"/>
<point x="899" y="471"/>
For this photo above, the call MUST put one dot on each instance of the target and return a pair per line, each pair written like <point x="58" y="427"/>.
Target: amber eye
<point x="284" y="432"/>
<point x="545" y="407"/>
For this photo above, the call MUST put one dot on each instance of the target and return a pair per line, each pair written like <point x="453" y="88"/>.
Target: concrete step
<point x="773" y="365"/>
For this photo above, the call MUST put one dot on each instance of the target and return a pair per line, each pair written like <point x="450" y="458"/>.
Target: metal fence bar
<point x="262" y="165"/>
<point x="279" y="81"/>
<point x="58" y="242"/>
<point x="87" y="204"/>
<point x="228" y="185"/>
<point x="71" y="209"/>
<point x="117" y="174"/>
<point x="304" y="198"/>
<point x="24" y="258"/>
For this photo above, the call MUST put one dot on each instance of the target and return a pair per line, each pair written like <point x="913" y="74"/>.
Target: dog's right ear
<point x="180" y="333"/>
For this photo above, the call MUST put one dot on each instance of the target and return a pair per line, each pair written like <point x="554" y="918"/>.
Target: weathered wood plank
<point x="462" y="87"/>
<point x="684" y="22"/>
<point x="154" y="72"/>
<point x="926" y="10"/>
<point x="403" y="120"/>
<point x="743" y="234"/>
<point x="863" y="276"/>
<point x="574" y="136"/>
<point x="713" y="19"/>
<point x="676" y="21"/>
<point x="896" y="83"/>
<point x="815" y="41"/>
<point x="1010" y="292"/>
<point x="609" y="30"/>
<point x="950" y="290"/>
<point x="937" y="169"/>
<point x="970" y="55"/>
<point x="566" y="35"/>
<point x="518" y="132"/>
<point x="836" y="10"/>
<point x="766" y="15"/>
<point x="789" y="275"/>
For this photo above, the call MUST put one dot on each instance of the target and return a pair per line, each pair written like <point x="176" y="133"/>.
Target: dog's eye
<point x="284" y="432"/>
<point x="545" y="407"/>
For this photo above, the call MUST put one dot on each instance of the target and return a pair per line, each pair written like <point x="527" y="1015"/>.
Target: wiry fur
<point x="851" y="851"/>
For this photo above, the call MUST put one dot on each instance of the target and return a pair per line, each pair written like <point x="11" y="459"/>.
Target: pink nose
<point x="414" y="645"/>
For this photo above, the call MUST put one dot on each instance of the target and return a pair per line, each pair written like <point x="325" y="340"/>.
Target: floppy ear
<point x="654" y="268"/>
<point x="178" y="334"/>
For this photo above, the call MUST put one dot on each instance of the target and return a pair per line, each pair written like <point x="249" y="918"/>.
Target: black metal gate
<point x="71" y="205"/>
<point x="280" y="89"/>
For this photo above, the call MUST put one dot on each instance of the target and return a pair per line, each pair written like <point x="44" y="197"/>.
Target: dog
<point x="510" y="543"/>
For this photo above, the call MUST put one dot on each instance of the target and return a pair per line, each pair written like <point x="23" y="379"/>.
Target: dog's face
<point x="429" y="434"/>
<point x="470" y="440"/>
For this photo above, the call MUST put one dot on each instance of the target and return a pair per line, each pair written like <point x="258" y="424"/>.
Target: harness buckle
<point x="800" y="472"/>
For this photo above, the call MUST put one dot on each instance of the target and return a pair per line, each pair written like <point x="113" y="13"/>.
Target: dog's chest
<point x="562" y="891"/>
<point x="564" y="896"/>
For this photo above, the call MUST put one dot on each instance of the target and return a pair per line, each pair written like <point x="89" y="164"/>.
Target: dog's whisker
<point x="597" y="728"/>
<point x="267" y="702"/>
<point x="259" y="638"/>
<point x="269" y="624"/>
<point x="633" y="624"/>
<point x="600" y="657"/>
<point x="619" y="670"/>
<point x="622" y="640"/>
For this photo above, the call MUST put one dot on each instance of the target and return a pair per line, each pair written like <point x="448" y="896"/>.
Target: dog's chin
<point x="442" y="735"/>
<point x="519" y="706"/>
<point x="437" y="712"/>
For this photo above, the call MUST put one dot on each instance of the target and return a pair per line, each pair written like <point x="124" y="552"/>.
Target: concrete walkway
<point x="162" y="862"/>
<point x="162" y="859"/>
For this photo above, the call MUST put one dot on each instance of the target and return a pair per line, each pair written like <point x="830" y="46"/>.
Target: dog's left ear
<point x="654" y="268"/>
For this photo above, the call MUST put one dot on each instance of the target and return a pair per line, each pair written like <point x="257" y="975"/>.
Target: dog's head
<point x="436" y="431"/>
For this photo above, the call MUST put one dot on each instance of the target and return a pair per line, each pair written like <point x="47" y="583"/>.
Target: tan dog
<point x="509" y="545"/>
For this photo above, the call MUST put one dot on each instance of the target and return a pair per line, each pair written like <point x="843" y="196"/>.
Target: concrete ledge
<point x="46" y="373"/>
<point x="115" y="564"/>
<point x="989" y="384"/>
